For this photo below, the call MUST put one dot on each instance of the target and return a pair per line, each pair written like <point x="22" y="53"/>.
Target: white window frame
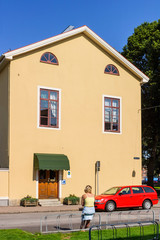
<point x="120" y="99"/>
<point x="38" y="108"/>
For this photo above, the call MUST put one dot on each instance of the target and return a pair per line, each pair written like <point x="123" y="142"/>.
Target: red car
<point x="126" y="196"/>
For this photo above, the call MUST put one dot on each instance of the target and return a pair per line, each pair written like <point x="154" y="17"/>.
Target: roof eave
<point x="3" y="61"/>
<point x="89" y="33"/>
<point x="118" y="56"/>
<point x="42" y="43"/>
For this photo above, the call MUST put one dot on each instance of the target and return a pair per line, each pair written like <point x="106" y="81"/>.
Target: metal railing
<point x="71" y="221"/>
<point x="101" y="232"/>
<point x="64" y="222"/>
<point x="129" y="216"/>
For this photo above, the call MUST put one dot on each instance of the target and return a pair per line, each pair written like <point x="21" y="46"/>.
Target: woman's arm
<point x="82" y="199"/>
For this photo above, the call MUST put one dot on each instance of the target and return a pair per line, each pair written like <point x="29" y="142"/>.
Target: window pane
<point x="44" y="104"/>
<point x="137" y="190"/>
<point x="53" y="59"/>
<point x="125" y="191"/>
<point x="107" y="70"/>
<point x="148" y="189"/>
<point x="109" y="67"/>
<point x="114" y="70"/>
<point x="107" y="102"/>
<point x="53" y="95"/>
<point x="44" y="121"/>
<point x="49" y="105"/>
<point x="53" y="113"/>
<point x="115" y="103"/>
<point x="115" y="127"/>
<point x="107" y="126"/>
<point x="42" y="174"/>
<point x="107" y="115"/>
<point x="52" y="174"/>
<point x="47" y="56"/>
<point x="44" y="112"/>
<point x="111" y="114"/>
<point x="115" y="115"/>
<point x="44" y="94"/>
<point x="54" y="109"/>
<point x="43" y="58"/>
<point x="107" y="118"/>
<point x="53" y="122"/>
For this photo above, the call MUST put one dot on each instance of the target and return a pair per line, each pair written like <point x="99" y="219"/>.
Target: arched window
<point x="49" y="58"/>
<point x="111" y="69"/>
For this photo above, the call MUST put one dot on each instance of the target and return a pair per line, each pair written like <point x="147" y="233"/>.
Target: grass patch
<point x="17" y="234"/>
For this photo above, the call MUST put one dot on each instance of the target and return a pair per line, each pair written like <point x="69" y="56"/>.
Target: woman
<point x="87" y="201"/>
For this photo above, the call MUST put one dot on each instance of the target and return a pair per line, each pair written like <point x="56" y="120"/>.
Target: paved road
<point x="31" y="221"/>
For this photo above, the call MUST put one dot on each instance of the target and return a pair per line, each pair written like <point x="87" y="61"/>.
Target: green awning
<point x="44" y="161"/>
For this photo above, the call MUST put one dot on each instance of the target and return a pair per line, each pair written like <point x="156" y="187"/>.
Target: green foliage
<point x="15" y="234"/>
<point x="71" y="198"/>
<point x="29" y="199"/>
<point x="143" y="50"/>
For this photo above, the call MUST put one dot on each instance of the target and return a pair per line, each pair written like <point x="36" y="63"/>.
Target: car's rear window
<point x="148" y="189"/>
<point x="137" y="189"/>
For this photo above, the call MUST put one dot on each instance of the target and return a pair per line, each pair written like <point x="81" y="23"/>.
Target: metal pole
<point x="97" y="182"/>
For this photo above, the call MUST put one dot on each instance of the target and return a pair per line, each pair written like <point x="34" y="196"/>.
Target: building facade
<point x="67" y="102"/>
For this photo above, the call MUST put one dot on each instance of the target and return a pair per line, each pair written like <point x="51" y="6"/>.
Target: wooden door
<point x="48" y="184"/>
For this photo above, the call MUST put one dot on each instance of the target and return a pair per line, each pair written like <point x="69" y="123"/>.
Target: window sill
<point x="120" y="132"/>
<point x="51" y="128"/>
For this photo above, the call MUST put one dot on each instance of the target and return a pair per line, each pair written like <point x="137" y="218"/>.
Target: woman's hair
<point x="88" y="189"/>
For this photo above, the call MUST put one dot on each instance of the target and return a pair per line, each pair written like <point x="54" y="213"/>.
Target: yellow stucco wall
<point x="4" y="174"/>
<point x="80" y="76"/>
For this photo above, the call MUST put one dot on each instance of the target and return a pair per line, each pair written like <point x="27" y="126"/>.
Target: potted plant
<point x="29" y="201"/>
<point x="71" y="200"/>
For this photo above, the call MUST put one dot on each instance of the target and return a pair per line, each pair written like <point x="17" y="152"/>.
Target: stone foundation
<point x="14" y="202"/>
<point x="4" y="202"/>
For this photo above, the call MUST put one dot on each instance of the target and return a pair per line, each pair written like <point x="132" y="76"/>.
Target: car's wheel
<point x="147" y="204"/>
<point x="110" y="206"/>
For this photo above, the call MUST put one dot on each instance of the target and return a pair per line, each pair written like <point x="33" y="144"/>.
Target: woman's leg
<point x="87" y="223"/>
<point x="82" y="224"/>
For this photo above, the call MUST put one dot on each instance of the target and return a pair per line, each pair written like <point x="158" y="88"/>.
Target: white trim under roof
<point x="90" y="34"/>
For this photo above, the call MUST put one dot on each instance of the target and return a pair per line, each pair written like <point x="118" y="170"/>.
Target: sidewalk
<point x="37" y="209"/>
<point x="63" y="208"/>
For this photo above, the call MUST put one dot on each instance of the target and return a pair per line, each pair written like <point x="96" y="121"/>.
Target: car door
<point x="124" y="198"/>
<point x="138" y="196"/>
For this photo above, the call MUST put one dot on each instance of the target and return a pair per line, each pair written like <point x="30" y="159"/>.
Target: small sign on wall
<point x="63" y="182"/>
<point x="68" y="174"/>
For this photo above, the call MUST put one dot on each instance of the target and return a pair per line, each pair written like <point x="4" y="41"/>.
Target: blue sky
<point x="28" y="21"/>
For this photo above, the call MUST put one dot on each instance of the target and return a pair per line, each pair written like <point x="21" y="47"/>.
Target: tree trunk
<point x="150" y="173"/>
<point x="151" y="164"/>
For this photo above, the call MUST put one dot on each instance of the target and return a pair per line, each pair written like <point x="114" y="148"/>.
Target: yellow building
<point x="66" y="103"/>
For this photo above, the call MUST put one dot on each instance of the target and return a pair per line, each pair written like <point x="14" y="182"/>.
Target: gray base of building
<point x="4" y="202"/>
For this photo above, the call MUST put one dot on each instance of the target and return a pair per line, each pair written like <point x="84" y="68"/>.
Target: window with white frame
<point x="49" y="108"/>
<point x="111" y="114"/>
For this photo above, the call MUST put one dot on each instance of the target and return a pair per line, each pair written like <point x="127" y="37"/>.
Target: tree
<point x="143" y="50"/>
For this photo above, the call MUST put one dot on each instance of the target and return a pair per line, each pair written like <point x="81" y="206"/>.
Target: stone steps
<point x="49" y="202"/>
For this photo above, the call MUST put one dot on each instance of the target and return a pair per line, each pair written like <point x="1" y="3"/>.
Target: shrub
<point x="29" y="199"/>
<point x="72" y="198"/>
